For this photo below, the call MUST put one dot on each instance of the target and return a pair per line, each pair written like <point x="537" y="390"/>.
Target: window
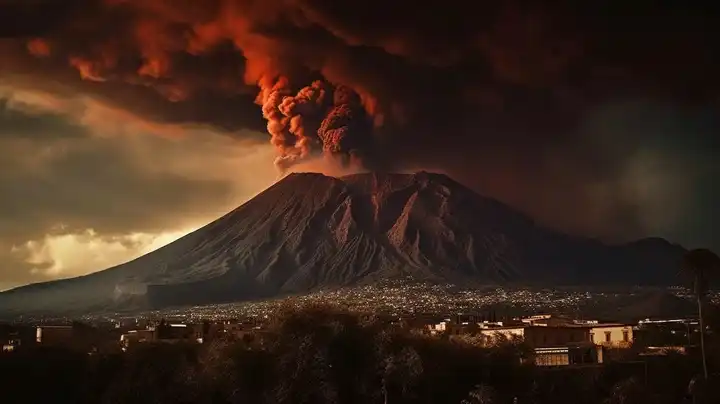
<point x="552" y="359"/>
<point x="626" y="336"/>
<point x="608" y="336"/>
<point x="592" y="337"/>
<point x="552" y="356"/>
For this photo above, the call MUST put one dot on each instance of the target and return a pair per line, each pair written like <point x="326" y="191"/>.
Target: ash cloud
<point x="320" y="118"/>
<point x="501" y="99"/>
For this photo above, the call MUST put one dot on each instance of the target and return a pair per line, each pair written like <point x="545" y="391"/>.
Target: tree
<point x="702" y="265"/>
<point x="400" y="370"/>
<point x="628" y="391"/>
<point x="482" y="394"/>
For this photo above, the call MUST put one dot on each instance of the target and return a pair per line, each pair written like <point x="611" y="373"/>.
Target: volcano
<point x="310" y="231"/>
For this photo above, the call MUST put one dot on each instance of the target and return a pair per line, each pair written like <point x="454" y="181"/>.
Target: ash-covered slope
<point x="310" y="231"/>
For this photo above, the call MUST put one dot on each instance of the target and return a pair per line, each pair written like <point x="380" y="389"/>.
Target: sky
<point x="125" y="124"/>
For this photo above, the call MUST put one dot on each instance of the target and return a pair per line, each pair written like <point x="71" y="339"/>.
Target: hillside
<point x="310" y="231"/>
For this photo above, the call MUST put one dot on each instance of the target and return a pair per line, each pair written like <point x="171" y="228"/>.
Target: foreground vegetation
<point x="323" y="356"/>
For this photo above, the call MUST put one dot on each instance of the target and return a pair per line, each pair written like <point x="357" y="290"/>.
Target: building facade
<point x="539" y="336"/>
<point x="556" y="342"/>
<point x="612" y="335"/>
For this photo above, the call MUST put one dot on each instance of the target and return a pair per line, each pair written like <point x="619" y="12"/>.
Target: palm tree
<point x="702" y="264"/>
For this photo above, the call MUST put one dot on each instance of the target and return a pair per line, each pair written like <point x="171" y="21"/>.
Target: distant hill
<point x="311" y="231"/>
<point x="653" y="304"/>
<point x="659" y="305"/>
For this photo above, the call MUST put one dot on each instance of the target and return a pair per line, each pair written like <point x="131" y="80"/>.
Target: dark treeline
<point x="321" y="356"/>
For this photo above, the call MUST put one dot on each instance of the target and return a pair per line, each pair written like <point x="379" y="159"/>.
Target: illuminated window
<point x="552" y="357"/>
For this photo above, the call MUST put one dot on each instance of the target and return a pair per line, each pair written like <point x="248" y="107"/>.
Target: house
<point x="54" y="335"/>
<point x="556" y="340"/>
<point x="564" y="343"/>
<point x="547" y="320"/>
<point x="570" y="354"/>
<point x="178" y="332"/>
<point x="552" y="346"/>
<point x="13" y="337"/>
<point x="670" y="332"/>
<point x="539" y="336"/>
<point x="136" y="336"/>
<point x="663" y="350"/>
<point x="611" y="335"/>
<point x="438" y="328"/>
<point x="449" y="327"/>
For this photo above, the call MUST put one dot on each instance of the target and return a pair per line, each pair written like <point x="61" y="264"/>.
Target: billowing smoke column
<point x="300" y="125"/>
<point x="345" y="123"/>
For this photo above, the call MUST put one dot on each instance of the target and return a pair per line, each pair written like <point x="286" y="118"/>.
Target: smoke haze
<point x="599" y="120"/>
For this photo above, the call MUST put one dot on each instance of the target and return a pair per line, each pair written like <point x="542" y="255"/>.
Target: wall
<point x="541" y="336"/>
<point x="552" y="359"/>
<point x="59" y="335"/>
<point x="556" y="336"/>
<point x="617" y="338"/>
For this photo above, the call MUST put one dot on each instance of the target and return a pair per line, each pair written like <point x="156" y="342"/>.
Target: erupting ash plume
<point x="300" y="125"/>
<point x="535" y="105"/>
<point x="342" y="129"/>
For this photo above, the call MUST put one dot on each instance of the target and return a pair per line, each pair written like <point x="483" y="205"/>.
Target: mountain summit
<point x="310" y="231"/>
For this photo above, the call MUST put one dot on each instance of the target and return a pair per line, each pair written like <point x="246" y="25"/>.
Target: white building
<point x="612" y="335"/>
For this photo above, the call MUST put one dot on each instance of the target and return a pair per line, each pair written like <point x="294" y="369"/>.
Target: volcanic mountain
<point x="310" y="231"/>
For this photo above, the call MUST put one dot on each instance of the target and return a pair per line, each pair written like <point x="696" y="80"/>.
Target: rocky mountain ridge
<point x="310" y="231"/>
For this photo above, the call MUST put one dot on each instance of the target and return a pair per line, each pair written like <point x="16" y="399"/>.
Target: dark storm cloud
<point x="208" y="105"/>
<point x="39" y="126"/>
<point x="83" y="182"/>
<point x="500" y="95"/>
<point x="61" y="174"/>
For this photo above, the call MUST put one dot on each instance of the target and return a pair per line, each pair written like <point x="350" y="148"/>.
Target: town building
<point x="14" y="337"/>
<point x="540" y="336"/>
<point x="558" y="345"/>
<point x="667" y="332"/>
<point x="201" y="333"/>
<point x="555" y="340"/>
<point x="54" y="335"/>
<point x="179" y="332"/>
<point x="77" y="336"/>
<point x="570" y="354"/>
<point x="134" y="337"/>
<point x="611" y="335"/>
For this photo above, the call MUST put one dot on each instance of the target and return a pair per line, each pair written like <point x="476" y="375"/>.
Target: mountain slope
<point x="310" y="231"/>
